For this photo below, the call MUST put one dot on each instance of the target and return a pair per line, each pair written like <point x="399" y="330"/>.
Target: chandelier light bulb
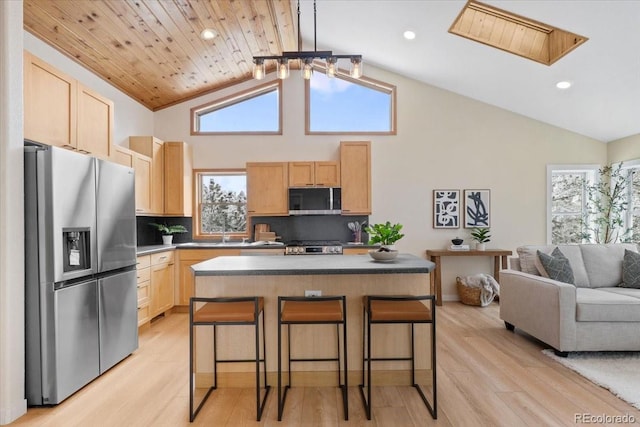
<point x="356" y="68"/>
<point x="258" y="69"/>
<point x="307" y="69"/>
<point x="283" y="68"/>
<point x="332" y="67"/>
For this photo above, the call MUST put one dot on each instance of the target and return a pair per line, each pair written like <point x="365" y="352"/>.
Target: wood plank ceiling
<point x="152" y="50"/>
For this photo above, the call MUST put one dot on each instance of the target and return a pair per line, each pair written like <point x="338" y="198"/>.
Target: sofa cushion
<point x="607" y="305"/>
<point x="556" y="266"/>
<point x="630" y="269"/>
<point x="528" y="257"/>
<point x="603" y="263"/>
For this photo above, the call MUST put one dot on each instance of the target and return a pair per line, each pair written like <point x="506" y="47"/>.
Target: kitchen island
<point x="269" y="276"/>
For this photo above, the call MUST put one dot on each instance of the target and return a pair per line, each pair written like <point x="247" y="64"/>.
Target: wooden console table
<point x="499" y="261"/>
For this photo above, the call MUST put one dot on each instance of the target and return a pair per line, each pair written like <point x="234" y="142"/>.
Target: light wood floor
<point x="487" y="376"/>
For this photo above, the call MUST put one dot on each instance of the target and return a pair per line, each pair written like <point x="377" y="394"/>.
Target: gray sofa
<point x="595" y="314"/>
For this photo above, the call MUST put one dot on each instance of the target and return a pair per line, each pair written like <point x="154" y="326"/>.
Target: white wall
<point x="12" y="401"/>
<point x="444" y="141"/>
<point x="130" y="117"/>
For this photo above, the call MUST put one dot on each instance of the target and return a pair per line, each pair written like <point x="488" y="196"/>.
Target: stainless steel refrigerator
<point x="80" y="256"/>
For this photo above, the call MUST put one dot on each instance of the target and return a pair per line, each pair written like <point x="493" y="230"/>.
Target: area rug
<point x="618" y="371"/>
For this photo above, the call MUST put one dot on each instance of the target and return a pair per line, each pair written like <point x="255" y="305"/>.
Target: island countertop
<point x="309" y="265"/>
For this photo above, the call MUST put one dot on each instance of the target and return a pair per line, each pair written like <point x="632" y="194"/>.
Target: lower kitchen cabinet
<point x="355" y="251"/>
<point x="188" y="257"/>
<point x="155" y="285"/>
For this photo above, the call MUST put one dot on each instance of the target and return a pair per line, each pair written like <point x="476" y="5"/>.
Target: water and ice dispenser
<point x="76" y="249"/>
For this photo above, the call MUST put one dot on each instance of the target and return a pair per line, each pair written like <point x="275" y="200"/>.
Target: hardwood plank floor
<point x="487" y="376"/>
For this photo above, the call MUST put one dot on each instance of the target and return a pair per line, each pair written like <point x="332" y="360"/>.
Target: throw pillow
<point x="557" y="266"/>
<point x="630" y="269"/>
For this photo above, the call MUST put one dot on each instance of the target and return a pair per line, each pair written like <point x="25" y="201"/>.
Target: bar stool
<point x="312" y="310"/>
<point x="224" y="312"/>
<point x="378" y="309"/>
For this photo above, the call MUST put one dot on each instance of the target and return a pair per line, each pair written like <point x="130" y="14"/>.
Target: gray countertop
<point x="309" y="265"/>
<point x="147" y="250"/>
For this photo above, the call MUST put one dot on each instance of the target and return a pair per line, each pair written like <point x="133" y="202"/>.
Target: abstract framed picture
<point x="446" y="208"/>
<point x="477" y="208"/>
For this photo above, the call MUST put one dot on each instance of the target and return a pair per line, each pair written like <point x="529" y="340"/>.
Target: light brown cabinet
<point x="142" y="166"/>
<point x="122" y="156"/>
<point x="178" y="179"/>
<point x="60" y="111"/>
<point x="268" y="189"/>
<point x="314" y="174"/>
<point x="153" y="148"/>
<point x="355" y="251"/>
<point x="184" y="277"/>
<point x="95" y="123"/>
<point x="355" y="177"/>
<point x="144" y="288"/>
<point x="162" y="283"/>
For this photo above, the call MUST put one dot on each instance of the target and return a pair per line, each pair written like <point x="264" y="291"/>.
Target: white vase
<point x="480" y="246"/>
<point x="167" y="239"/>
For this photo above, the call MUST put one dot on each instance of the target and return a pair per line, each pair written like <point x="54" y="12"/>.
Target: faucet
<point x="225" y="238"/>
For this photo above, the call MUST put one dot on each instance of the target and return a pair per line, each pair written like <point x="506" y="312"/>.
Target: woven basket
<point x="467" y="294"/>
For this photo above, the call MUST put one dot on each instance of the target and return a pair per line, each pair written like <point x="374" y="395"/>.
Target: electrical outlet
<point x="312" y="293"/>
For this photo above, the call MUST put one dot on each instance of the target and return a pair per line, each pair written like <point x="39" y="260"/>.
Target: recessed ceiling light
<point x="563" y="84"/>
<point x="208" y="34"/>
<point x="409" y="35"/>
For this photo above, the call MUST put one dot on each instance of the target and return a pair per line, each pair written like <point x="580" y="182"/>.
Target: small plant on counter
<point x="384" y="234"/>
<point x="168" y="230"/>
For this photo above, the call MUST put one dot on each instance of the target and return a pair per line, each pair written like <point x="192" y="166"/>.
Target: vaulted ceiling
<point x="151" y="50"/>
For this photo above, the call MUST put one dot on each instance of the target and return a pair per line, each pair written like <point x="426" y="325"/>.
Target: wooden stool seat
<point x="311" y="311"/>
<point x="398" y="310"/>
<point x="233" y="311"/>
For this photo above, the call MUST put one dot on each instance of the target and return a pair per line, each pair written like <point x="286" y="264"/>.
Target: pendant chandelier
<point x="306" y="59"/>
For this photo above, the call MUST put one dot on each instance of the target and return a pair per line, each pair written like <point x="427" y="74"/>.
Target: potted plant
<point x="481" y="236"/>
<point x="168" y="231"/>
<point x="385" y="235"/>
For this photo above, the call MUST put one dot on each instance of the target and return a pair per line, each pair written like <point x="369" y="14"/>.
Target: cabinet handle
<point x="163" y="257"/>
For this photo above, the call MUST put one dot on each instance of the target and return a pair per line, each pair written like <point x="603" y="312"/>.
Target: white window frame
<point x="567" y="168"/>
<point x="628" y="166"/>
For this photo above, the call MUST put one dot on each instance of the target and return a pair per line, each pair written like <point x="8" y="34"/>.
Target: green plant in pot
<point x="385" y="235"/>
<point x="168" y="231"/>
<point x="481" y="236"/>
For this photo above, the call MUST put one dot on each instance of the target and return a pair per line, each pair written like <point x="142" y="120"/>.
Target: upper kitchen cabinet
<point x="50" y="104"/>
<point x="95" y="123"/>
<point x="355" y="173"/>
<point x="178" y="179"/>
<point x="60" y="111"/>
<point x="122" y="156"/>
<point x="141" y="165"/>
<point x="154" y="148"/>
<point x="314" y="174"/>
<point x="267" y="189"/>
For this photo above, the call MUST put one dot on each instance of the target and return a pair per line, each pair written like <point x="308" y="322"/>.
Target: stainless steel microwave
<point x="315" y="201"/>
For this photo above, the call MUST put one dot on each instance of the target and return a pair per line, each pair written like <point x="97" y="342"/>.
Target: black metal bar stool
<point x="224" y="312"/>
<point x="387" y="309"/>
<point x="312" y="310"/>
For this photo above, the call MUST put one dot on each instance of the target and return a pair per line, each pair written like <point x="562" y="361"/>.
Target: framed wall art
<point x="476" y="208"/>
<point x="446" y="208"/>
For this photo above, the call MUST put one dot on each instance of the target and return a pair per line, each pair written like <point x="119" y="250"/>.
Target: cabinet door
<point x="178" y="179"/>
<point x="327" y="174"/>
<point x="142" y="169"/>
<point x="154" y="148"/>
<point x="50" y="104"/>
<point x="355" y="174"/>
<point x="267" y="189"/>
<point x="301" y="174"/>
<point x="122" y="156"/>
<point x="95" y="123"/>
<point x="188" y="257"/>
<point x="161" y="288"/>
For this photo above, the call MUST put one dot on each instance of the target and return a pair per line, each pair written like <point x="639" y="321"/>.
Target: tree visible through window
<point x="568" y="210"/>
<point x="222" y="203"/>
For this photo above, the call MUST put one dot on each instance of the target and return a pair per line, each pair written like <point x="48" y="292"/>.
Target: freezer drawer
<point x="118" y="317"/>
<point x="76" y="342"/>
